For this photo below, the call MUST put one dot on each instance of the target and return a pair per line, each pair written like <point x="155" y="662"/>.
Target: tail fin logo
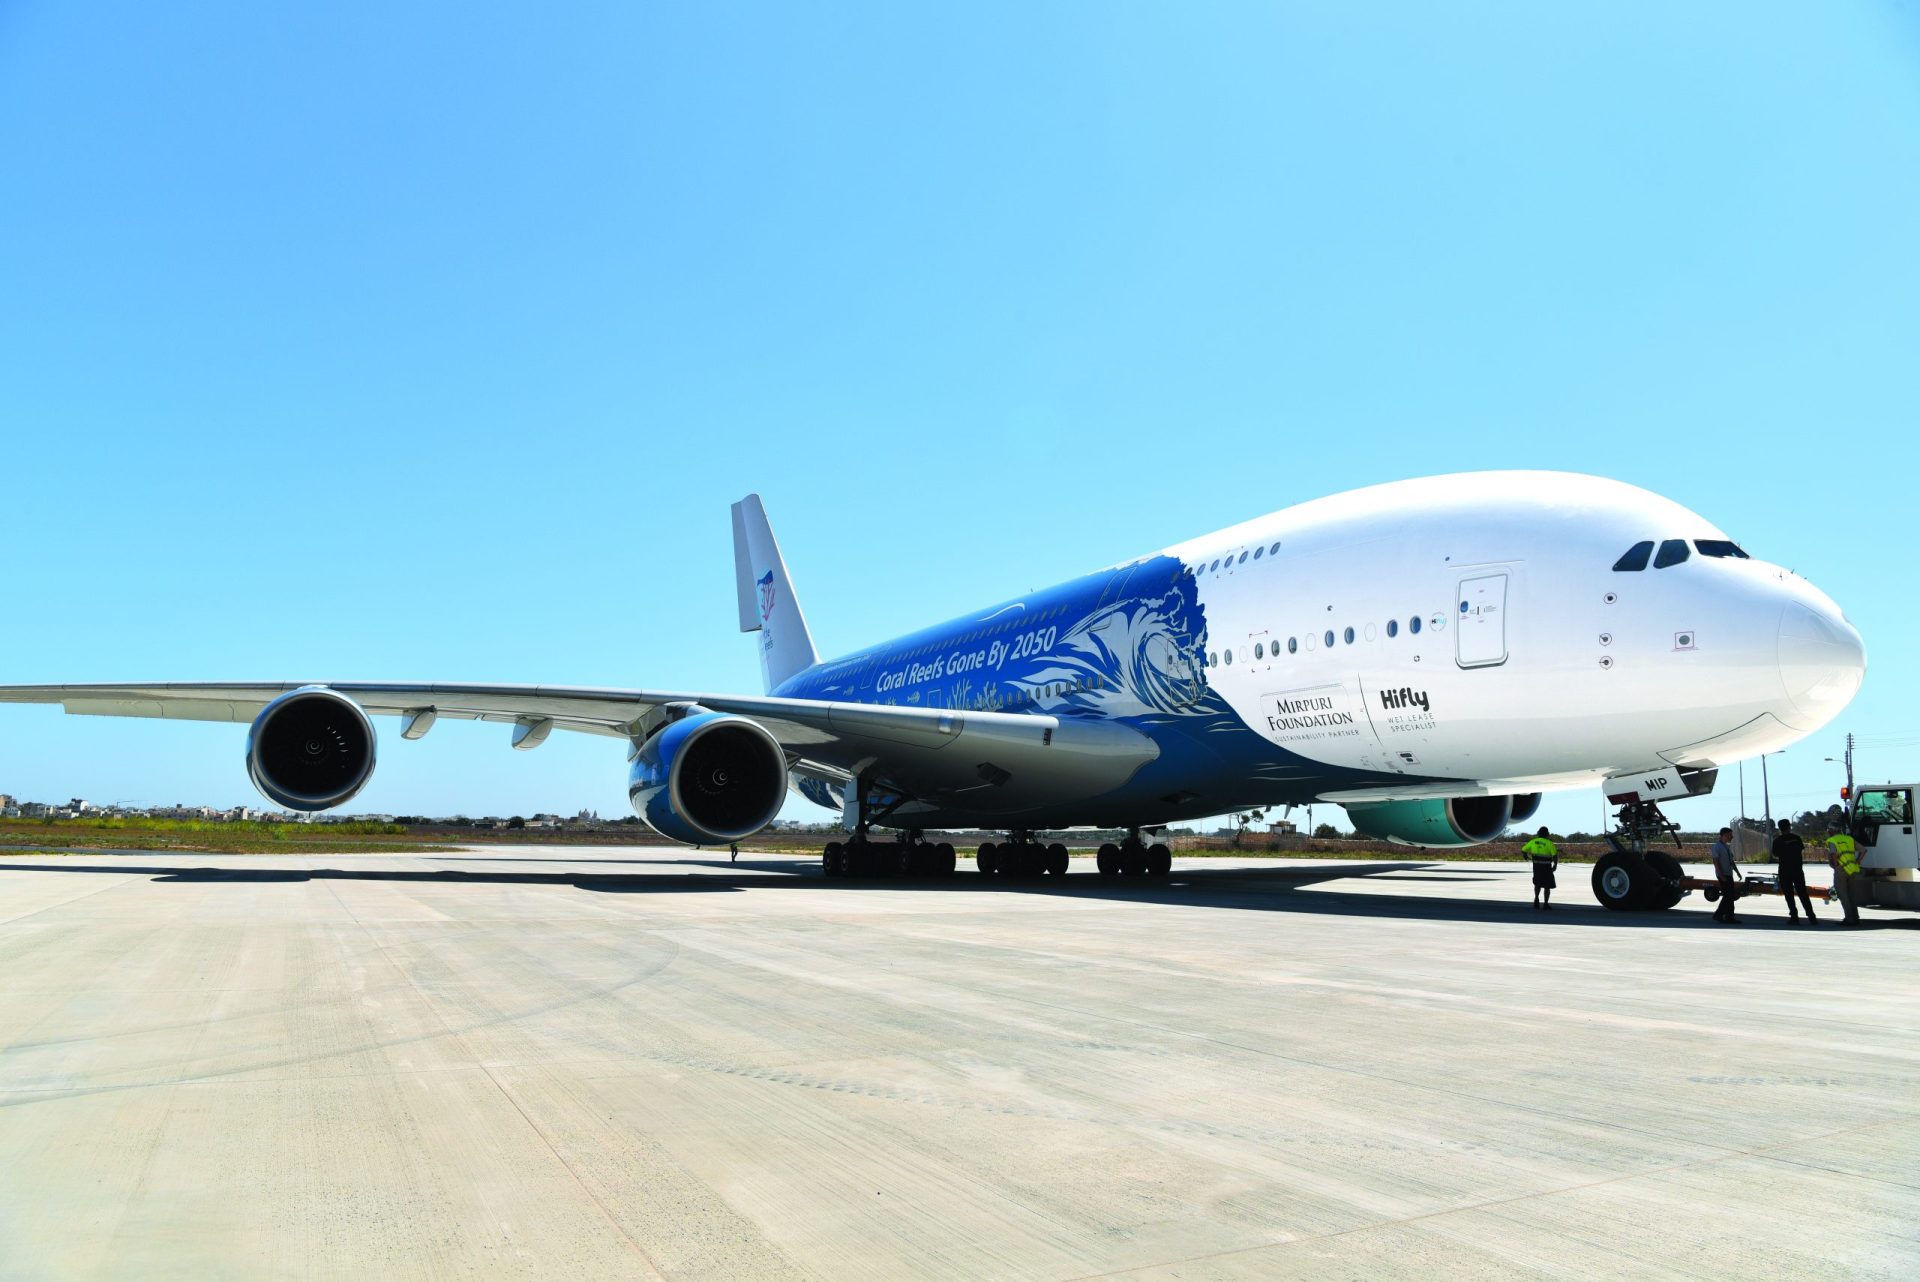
<point x="766" y="594"/>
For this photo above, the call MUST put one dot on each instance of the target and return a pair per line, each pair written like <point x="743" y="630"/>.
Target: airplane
<point x="1431" y="654"/>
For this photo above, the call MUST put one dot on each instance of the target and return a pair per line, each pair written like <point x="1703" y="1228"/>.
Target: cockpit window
<point x="1672" y="552"/>
<point x="1720" y="547"/>
<point x="1635" y="558"/>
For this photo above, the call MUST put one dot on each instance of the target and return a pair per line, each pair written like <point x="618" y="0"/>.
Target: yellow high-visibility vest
<point x="1842" y="846"/>
<point x="1540" y="848"/>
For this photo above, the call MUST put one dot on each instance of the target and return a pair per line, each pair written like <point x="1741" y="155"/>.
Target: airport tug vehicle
<point x="1888" y="846"/>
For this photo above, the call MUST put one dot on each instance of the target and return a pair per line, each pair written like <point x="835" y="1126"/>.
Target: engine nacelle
<point x="709" y="777"/>
<point x="1525" y="807"/>
<point x="310" y="749"/>
<point x="1454" y="821"/>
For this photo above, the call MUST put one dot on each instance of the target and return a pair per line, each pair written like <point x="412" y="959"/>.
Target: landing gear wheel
<point x="988" y="859"/>
<point x="1107" y="860"/>
<point x="1057" y="859"/>
<point x="905" y="861"/>
<point x="1622" y="882"/>
<point x="1133" y="861"/>
<point x="1033" y="860"/>
<point x="1159" y="860"/>
<point x="1667" y="874"/>
<point x="834" y="860"/>
<point x="944" y="860"/>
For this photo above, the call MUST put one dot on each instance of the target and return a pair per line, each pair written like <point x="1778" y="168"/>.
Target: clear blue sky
<point x="432" y="341"/>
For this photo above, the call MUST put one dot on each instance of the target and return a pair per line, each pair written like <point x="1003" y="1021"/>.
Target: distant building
<point x="6" y="801"/>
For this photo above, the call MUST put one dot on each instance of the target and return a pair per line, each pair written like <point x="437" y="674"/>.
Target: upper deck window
<point x="1636" y="557"/>
<point x="1672" y="552"/>
<point x="1721" y="547"/>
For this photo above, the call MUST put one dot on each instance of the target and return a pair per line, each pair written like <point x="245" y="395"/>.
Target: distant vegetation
<point x="272" y="832"/>
<point x="136" y="833"/>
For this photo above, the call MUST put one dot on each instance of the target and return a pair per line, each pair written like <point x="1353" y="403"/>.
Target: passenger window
<point x="1413" y="625"/>
<point x="1293" y="645"/>
<point x="1259" y="651"/>
<point x="1329" y="638"/>
<point x="1672" y="552"/>
<point x="1227" y="656"/>
<point x="1720" y="547"/>
<point x="1213" y="567"/>
<point x="1349" y="636"/>
<point x="1635" y="557"/>
<point x="1273" y="549"/>
<point x="1242" y="560"/>
<point x="1393" y="627"/>
<point x="1258" y="553"/>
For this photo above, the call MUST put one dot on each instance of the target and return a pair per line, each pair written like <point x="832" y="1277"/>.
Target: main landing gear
<point x="1632" y="878"/>
<point x="861" y="856"/>
<point x="908" y="857"/>
<point x="1021" y="856"/>
<point x="1134" y="858"/>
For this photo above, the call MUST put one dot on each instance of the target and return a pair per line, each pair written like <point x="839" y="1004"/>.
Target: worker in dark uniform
<point x="1789" y="852"/>
<point x="1546" y="858"/>
<point x="1725" y="873"/>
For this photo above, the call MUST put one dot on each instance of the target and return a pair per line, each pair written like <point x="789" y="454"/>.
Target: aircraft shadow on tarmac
<point x="1275" y="889"/>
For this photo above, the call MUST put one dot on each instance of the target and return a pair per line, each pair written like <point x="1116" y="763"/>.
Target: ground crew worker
<point x="1723" y="871"/>
<point x="1841" y="857"/>
<point x="1789" y="854"/>
<point x="1546" y="858"/>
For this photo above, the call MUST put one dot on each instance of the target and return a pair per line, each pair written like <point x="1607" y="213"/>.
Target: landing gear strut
<point x="910" y="856"/>
<point x="1134" y="858"/>
<point x="1021" y="856"/>
<point x="860" y="856"/>
<point x="1632" y="878"/>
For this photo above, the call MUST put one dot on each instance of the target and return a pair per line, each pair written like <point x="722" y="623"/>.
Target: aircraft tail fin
<point x="767" y="603"/>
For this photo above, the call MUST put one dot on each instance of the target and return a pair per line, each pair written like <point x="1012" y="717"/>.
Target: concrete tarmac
<point x="619" y="1063"/>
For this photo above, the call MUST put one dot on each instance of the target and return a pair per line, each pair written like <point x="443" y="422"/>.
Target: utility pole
<point x="1849" y="781"/>
<point x="1766" y="796"/>
<point x="1743" y="792"/>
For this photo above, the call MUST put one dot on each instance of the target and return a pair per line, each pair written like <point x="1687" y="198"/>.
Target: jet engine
<point x="1525" y="807"/>
<point x="709" y="777"/>
<point x="1437" y="823"/>
<point x="310" y="749"/>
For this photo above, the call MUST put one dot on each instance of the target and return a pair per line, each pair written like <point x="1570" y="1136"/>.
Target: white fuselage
<point x="1536" y="663"/>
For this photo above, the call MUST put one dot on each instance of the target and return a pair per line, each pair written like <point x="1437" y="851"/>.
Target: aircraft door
<point x="1480" y="622"/>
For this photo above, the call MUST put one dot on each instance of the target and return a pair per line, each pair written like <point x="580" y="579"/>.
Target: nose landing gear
<point x="1632" y="878"/>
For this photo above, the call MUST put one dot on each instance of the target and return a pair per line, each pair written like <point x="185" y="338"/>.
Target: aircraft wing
<point x="1002" y="759"/>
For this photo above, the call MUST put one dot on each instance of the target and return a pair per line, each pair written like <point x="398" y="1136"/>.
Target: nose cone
<point x="1821" y="664"/>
